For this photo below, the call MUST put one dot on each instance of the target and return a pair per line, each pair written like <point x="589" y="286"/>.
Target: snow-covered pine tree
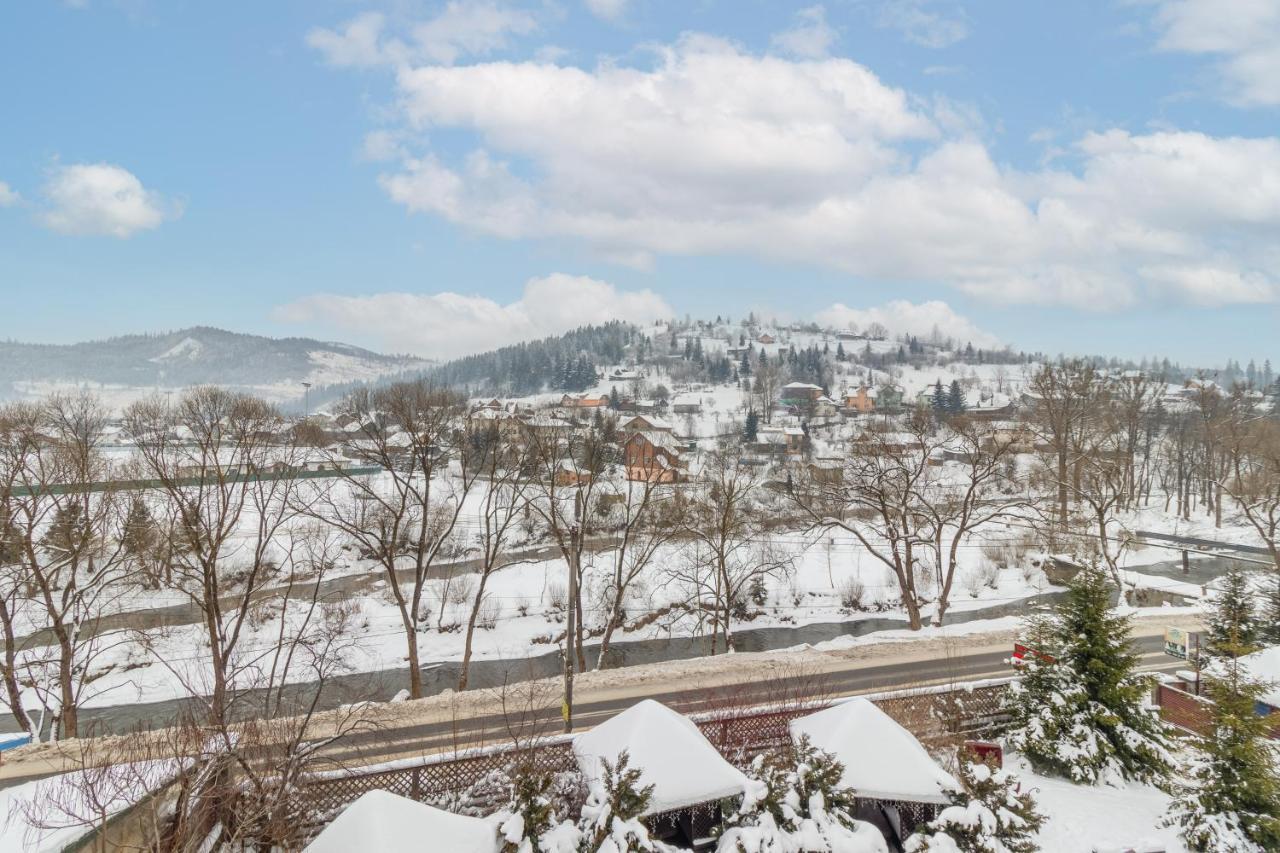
<point x="610" y="817"/>
<point x="939" y="400"/>
<point x="1232" y="624"/>
<point x="796" y="804"/>
<point x="1081" y="712"/>
<point x="955" y="398"/>
<point x="988" y="814"/>
<point x="529" y="823"/>
<point x="1232" y="804"/>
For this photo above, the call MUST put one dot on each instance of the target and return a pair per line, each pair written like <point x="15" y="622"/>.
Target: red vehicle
<point x="1021" y="652"/>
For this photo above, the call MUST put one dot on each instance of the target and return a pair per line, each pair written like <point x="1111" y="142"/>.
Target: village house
<point x="862" y="401"/>
<point x="653" y="457"/>
<point x="584" y="401"/>
<point x="686" y="404"/>
<point x="780" y="439"/>
<point x="766" y="338"/>
<point x="800" y="393"/>
<point x="645" y="423"/>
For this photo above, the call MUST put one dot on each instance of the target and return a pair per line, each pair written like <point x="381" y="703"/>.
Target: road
<point x="446" y="723"/>
<point x="413" y="740"/>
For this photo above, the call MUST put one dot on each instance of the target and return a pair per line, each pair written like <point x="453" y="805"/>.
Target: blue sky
<point x="445" y="176"/>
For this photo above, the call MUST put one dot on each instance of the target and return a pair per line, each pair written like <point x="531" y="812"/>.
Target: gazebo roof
<point x="673" y="756"/>
<point x="389" y="823"/>
<point x="881" y="759"/>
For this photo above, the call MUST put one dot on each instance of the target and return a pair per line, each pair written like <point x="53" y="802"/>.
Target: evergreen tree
<point x="751" y="428"/>
<point x="840" y="354"/>
<point x="610" y="816"/>
<point x="988" y="814"/>
<point x="1269" y="627"/>
<point x="955" y="399"/>
<point x="1080" y="709"/>
<point x="939" y="401"/>
<point x="529" y="823"/>
<point x="1232" y="625"/>
<point x="1232" y="803"/>
<point x="797" y="804"/>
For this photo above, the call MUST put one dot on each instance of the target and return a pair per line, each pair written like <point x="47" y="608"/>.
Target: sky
<point x="1100" y="176"/>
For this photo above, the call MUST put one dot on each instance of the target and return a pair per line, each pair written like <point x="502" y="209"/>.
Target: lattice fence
<point x="934" y="717"/>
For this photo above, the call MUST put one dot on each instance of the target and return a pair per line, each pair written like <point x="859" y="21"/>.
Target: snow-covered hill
<point x="126" y="368"/>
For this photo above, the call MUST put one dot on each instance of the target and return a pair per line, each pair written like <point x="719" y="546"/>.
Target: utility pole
<point x="570" y="632"/>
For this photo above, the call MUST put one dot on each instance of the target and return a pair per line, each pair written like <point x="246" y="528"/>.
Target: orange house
<point x="652" y="457"/>
<point x="863" y="401"/>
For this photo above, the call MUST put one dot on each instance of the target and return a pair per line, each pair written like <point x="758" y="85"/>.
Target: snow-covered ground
<point x="1084" y="819"/>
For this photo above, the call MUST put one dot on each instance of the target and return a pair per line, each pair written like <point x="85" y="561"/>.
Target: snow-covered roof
<point x="673" y="756"/>
<point x="881" y="759"/>
<point x="1264" y="666"/>
<point x="798" y="386"/>
<point x="389" y="823"/>
<point x="653" y="421"/>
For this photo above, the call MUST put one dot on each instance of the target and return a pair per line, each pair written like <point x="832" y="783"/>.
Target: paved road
<point x="845" y="678"/>
<point x="370" y="747"/>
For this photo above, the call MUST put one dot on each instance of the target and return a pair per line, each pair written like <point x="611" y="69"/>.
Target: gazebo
<point x="689" y="775"/>
<point x="892" y="775"/>
<point x="389" y="823"/>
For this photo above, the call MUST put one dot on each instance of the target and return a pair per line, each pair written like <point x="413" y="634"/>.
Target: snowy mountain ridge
<point x="125" y="368"/>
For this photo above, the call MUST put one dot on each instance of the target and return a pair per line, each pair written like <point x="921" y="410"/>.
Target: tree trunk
<point x="471" y="630"/>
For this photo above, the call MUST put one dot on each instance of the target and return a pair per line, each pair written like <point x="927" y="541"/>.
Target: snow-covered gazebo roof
<point x="673" y="756"/>
<point x="389" y="823"/>
<point x="881" y="759"/>
<point x="1263" y="666"/>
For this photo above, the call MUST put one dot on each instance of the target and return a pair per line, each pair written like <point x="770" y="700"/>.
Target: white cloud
<point x="608" y="10"/>
<point x="462" y="28"/>
<point x="102" y="199"/>
<point x="811" y="37"/>
<point x="902" y="317"/>
<point x="1243" y="35"/>
<point x="445" y="325"/>
<point x="922" y="23"/>
<point x="713" y="150"/>
<point x="8" y="195"/>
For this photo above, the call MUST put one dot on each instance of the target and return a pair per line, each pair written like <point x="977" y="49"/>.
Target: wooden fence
<point x="935" y="716"/>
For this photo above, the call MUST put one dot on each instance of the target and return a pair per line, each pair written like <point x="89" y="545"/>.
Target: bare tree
<point x="729" y="549"/>
<point x="1063" y="400"/>
<point x="505" y="497"/>
<point x="62" y="546"/>
<point x="567" y="464"/>
<point x="878" y="498"/>
<point x="977" y="489"/>
<point x="225" y="467"/>
<point x="406" y="516"/>
<point x="645" y="527"/>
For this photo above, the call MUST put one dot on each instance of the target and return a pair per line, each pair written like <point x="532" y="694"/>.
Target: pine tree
<point x="1232" y="803"/>
<point x="939" y="401"/>
<point x="751" y="428"/>
<point x="610" y="816"/>
<point x="955" y="399"/>
<point x="797" y="804"/>
<point x="988" y="814"/>
<point x="530" y="823"/>
<point x="1232" y="625"/>
<point x="1081" y="713"/>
